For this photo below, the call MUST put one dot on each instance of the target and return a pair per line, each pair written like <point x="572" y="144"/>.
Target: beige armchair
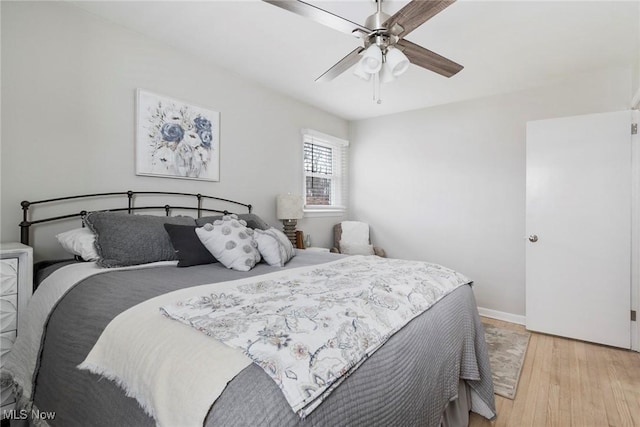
<point x="352" y="237"/>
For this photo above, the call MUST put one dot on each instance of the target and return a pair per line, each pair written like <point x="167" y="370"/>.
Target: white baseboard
<point x="501" y="315"/>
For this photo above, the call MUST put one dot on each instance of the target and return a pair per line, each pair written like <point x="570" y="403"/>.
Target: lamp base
<point x="290" y="229"/>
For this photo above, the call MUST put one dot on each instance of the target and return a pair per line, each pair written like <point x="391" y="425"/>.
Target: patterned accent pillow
<point x="274" y="246"/>
<point x="253" y="221"/>
<point x="230" y="242"/>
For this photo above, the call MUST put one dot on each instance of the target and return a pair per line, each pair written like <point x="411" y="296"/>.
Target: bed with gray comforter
<point x="409" y="381"/>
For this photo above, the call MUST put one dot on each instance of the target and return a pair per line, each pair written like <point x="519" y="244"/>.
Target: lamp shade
<point x="289" y="206"/>
<point x="371" y="61"/>
<point x="396" y="61"/>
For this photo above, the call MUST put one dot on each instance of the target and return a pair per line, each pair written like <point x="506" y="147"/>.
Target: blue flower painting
<point x="175" y="139"/>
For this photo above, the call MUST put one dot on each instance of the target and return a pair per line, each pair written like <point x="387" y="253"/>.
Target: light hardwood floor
<point x="571" y="383"/>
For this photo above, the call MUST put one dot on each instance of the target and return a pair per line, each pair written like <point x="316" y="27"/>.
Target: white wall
<point x="447" y="184"/>
<point x="68" y="107"/>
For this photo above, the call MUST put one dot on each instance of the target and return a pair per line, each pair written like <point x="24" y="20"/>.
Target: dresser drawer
<point x="6" y="342"/>
<point x="8" y="276"/>
<point x="8" y="312"/>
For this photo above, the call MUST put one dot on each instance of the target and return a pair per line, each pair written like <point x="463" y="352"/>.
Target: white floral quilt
<point x="309" y="330"/>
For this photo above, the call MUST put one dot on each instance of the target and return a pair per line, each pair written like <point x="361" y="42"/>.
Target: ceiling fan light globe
<point x="400" y="69"/>
<point x="371" y="64"/>
<point x="371" y="61"/>
<point x="386" y="73"/>
<point x="397" y="61"/>
<point x="359" y="72"/>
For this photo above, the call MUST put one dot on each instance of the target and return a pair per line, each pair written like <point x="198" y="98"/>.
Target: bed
<point x="431" y="371"/>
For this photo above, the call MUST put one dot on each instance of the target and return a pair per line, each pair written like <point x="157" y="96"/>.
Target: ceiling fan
<point x="385" y="53"/>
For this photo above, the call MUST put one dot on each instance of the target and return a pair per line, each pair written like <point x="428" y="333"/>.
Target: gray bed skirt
<point x="457" y="411"/>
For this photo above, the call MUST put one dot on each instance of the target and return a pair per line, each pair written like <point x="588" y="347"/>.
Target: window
<point x="324" y="172"/>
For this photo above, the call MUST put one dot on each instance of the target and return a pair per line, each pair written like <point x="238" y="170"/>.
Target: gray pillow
<point x="253" y="221"/>
<point x="123" y="239"/>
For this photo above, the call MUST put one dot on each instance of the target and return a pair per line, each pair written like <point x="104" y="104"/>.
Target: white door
<point x="578" y="251"/>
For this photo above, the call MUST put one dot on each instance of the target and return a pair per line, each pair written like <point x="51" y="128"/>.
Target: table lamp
<point x="289" y="211"/>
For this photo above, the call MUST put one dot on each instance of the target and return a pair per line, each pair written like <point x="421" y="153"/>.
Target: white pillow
<point x="230" y="242"/>
<point x="354" y="232"/>
<point x="355" y="249"/>
<point x="80" y="242"/>
<point x="274" y="246"/>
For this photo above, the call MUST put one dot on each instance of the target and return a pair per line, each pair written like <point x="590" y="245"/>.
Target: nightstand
<point x="16" y="286"/>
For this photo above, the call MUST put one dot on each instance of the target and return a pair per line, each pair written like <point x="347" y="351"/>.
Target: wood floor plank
<point x="571" y="383"/>
<point x="562" y="378"/>
<point x="519" y="405"/>
<point x="631" y="385"/>
<point x="575" y="379"/>
<point x="533" y="385"/>
<point x="615" y="372"/>
<point x="593" y="385"/>
<point x="553" y="408"/>
<point x="542" y="394"/>
<point x="563" y="372"/>
<point x="613" y="417"/>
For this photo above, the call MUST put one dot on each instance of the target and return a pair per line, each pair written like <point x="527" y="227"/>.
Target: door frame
<point x="635" y="233"/>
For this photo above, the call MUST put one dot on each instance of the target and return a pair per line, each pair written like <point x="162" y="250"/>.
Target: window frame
<point x="338" y="177"/>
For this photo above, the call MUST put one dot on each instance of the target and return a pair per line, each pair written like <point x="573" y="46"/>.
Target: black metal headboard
<point x="27" y="222"/>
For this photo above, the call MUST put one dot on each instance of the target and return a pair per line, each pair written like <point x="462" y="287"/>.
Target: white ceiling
<point x="504" y="46"/>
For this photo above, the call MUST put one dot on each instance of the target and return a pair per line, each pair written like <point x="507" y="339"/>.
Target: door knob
<point x="533" y="238"/>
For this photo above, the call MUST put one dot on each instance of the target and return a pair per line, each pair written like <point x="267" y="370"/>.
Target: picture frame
<point x="176" y="139"/>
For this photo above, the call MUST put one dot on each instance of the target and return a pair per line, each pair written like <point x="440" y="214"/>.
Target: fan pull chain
<point x="373" y="82"/>
<point x="376" y="88"/>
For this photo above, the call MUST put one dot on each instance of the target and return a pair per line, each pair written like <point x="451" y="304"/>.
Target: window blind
<point x="325" y="171"/>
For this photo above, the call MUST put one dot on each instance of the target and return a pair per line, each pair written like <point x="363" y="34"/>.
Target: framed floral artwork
<point x="175" y="139"/>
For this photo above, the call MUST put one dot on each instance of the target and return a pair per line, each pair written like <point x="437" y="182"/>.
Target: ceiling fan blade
<point x="414" y="14"/>
<point x="341" y="66"/>
<point x="425" y="58"/>
<point x="321" y="16"/>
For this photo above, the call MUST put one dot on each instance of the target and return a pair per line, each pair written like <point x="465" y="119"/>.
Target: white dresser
<point x="16" y="286"/>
